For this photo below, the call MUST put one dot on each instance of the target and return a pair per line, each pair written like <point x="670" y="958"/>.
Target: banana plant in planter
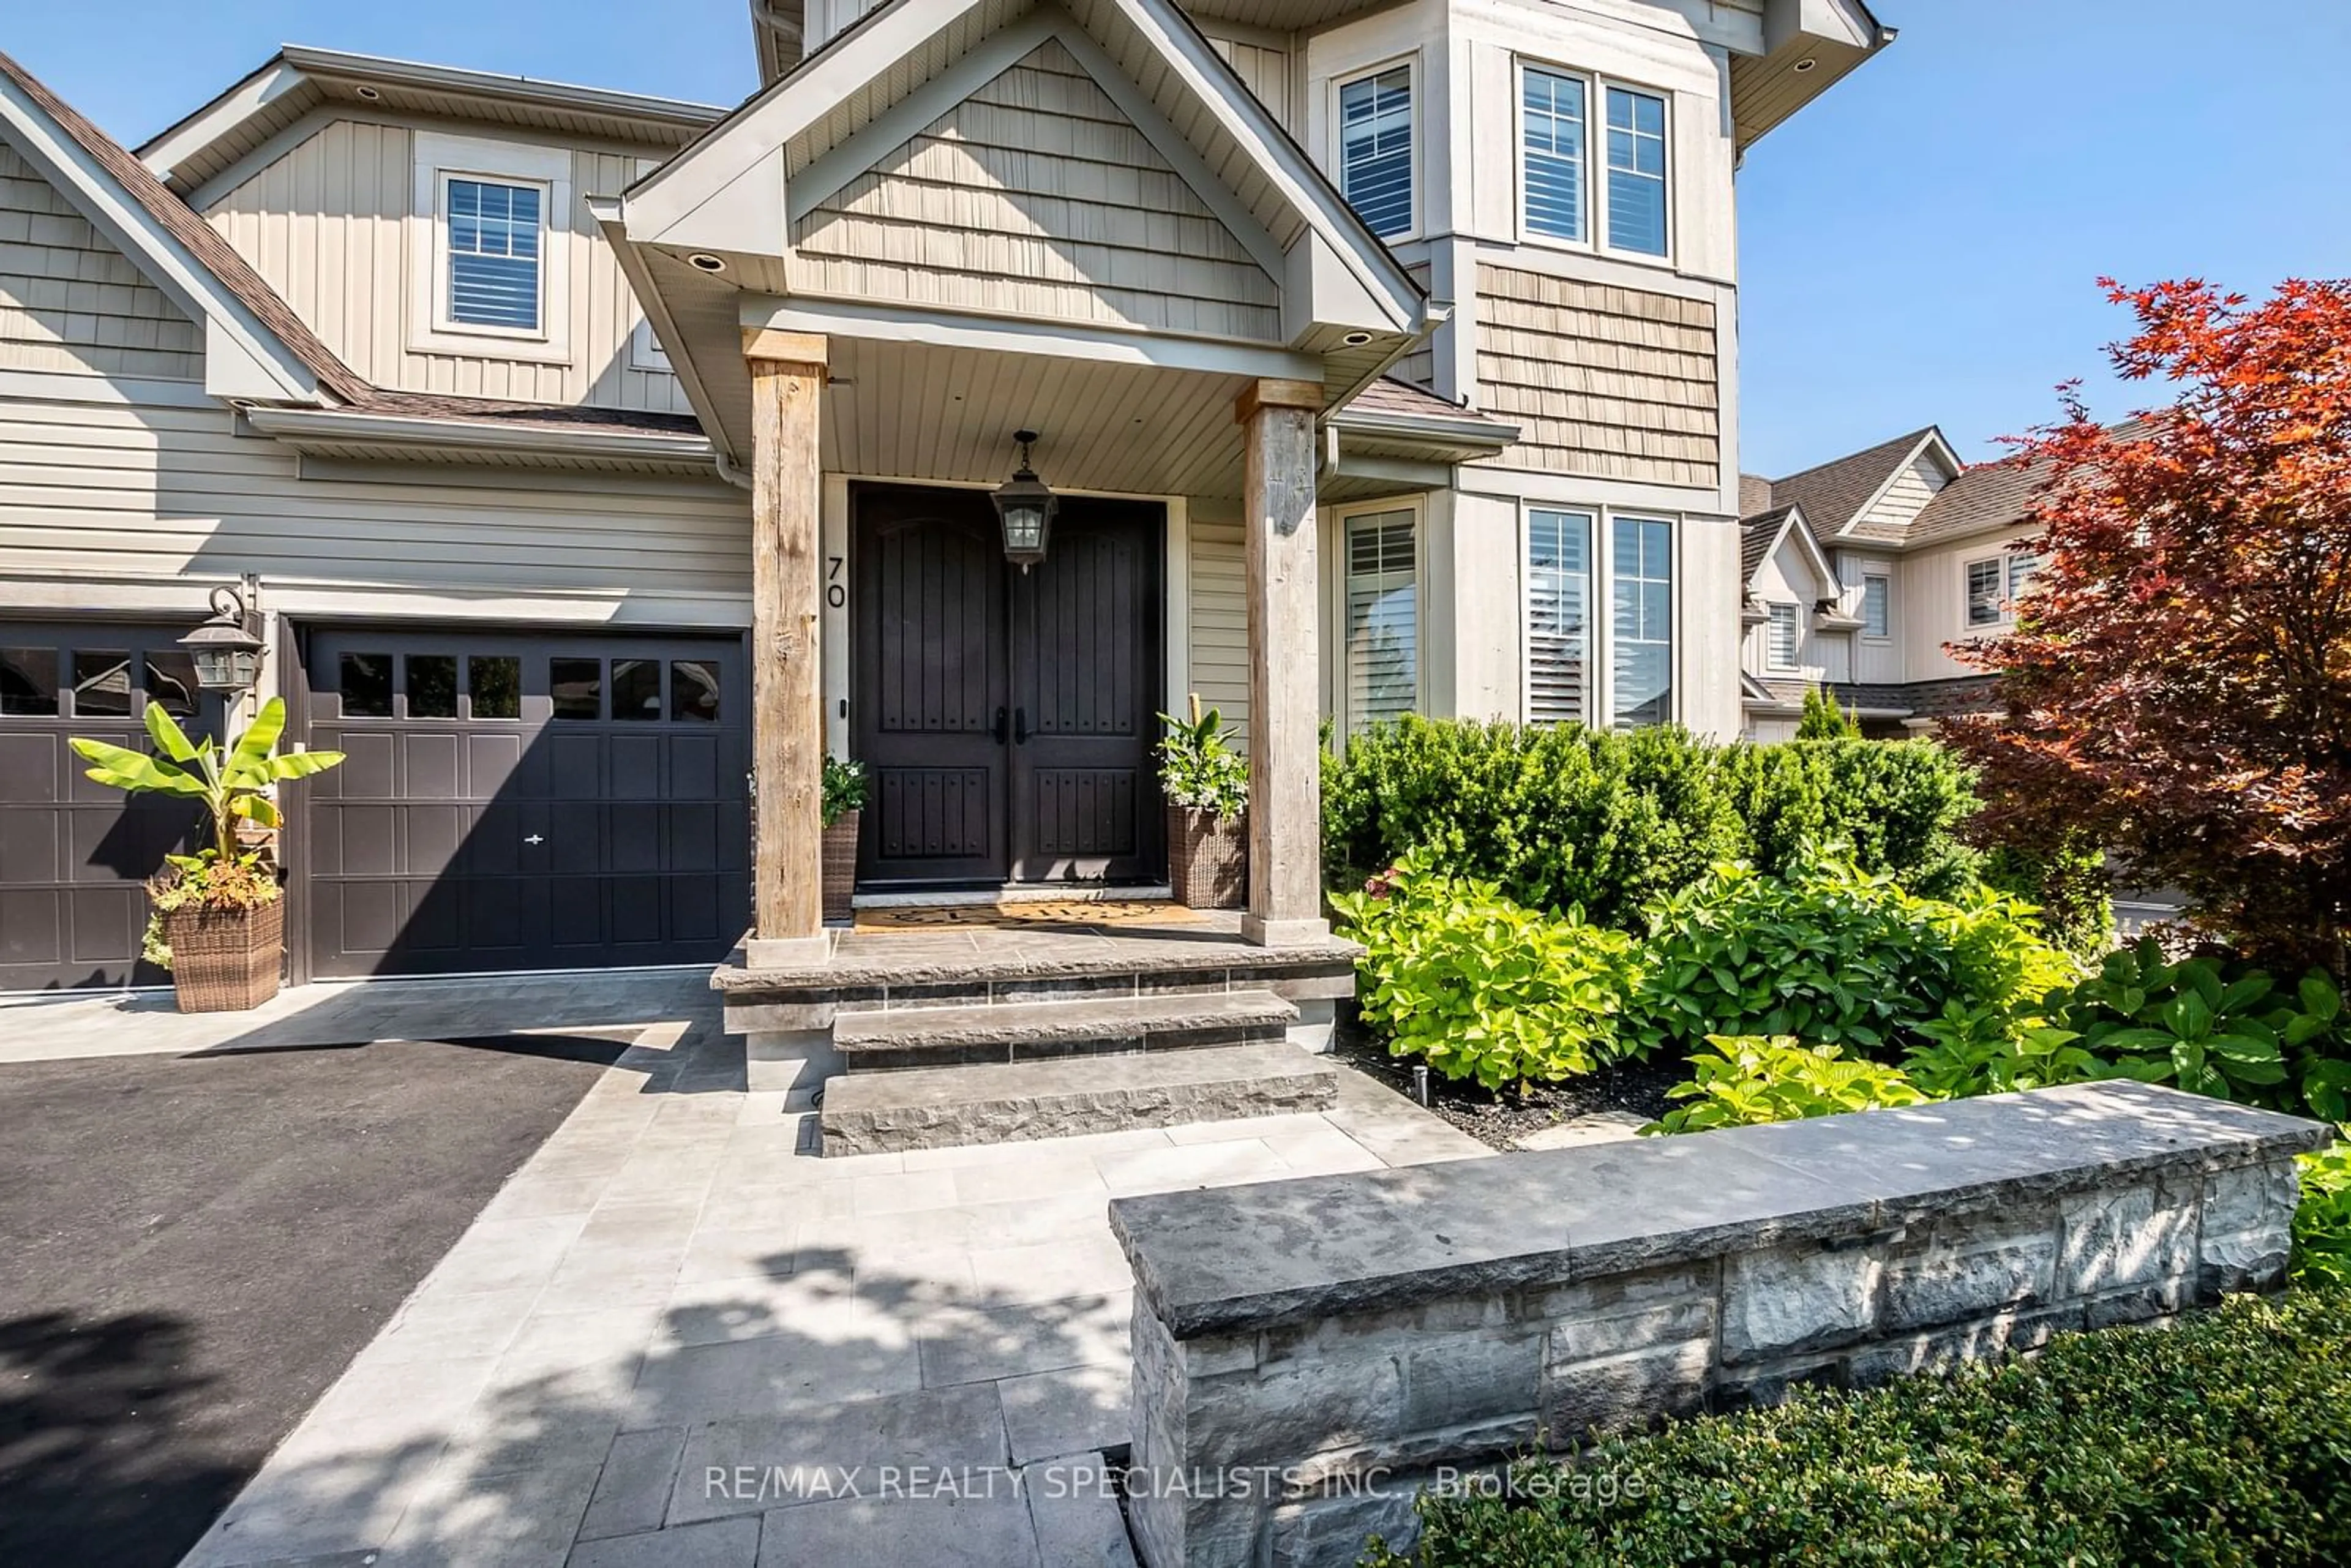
<point x="1207" y="784"/>
<point x="219" y="918"/>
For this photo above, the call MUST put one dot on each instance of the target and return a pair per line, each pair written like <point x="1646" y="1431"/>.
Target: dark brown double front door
<point x="1005" y="718"/>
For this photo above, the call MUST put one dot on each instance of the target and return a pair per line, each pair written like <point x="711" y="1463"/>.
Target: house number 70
<point x="836" y="593"/>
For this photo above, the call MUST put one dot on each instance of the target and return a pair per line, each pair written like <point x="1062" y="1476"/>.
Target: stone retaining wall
<point x="1308" y="1353"/>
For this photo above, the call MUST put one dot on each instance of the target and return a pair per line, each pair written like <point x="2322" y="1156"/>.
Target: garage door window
<point x="693" y="690"/>
<point x="433" y="686"/>
<point x="494" y="682"/>
<point x="171" y="681"/>
<point x="365" y="681"/>
<point x="636" y="689"/>
<point x="101" y="683"/>
<point x="577" y="686"/>
<point x="28" y="682"/>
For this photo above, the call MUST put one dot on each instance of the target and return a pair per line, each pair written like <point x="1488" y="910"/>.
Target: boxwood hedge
<point x="2223" y="1440"/>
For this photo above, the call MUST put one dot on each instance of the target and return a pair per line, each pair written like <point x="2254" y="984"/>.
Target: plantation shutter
<point x="1558" y="617"/>
<point x="1641" y="660"/>
<point x="493" y="249"/>
<point x="1783" y="636"/>
<point x="1636" y="172"/>
<point x="1376" y="149"/>
<point x="1551" y="129"/>
<point x="1383" y="619"/>
<point x="1876" y="617"/>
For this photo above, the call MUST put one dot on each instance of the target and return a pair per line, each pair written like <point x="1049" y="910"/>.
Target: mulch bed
<point x="1499" y="1120"/>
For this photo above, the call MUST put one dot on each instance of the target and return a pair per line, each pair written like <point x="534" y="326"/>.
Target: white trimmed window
<point x="1641" y="623"/>
<point x="1876" y="606"/>
<point x="1636" y="172"/>
<point x="488" y="273"/>
<point x="1785" y="634"/>
<point x="1375" y="162"/>
<point x="1559" y="616"/>
<point x="1382" y="657"/>
<point x="2021" y="566"/>
<point x="1987" y="592"/>
<point x="1552" y="153"/>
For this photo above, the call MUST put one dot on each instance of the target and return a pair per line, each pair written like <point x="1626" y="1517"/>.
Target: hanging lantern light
<point x="226" y="649"/>
<point x="1025" y="506"/>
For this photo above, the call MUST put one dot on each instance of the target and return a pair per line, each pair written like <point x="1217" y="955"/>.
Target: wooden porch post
<point x="787" y="376"/>
<point x="1285" y="810"/>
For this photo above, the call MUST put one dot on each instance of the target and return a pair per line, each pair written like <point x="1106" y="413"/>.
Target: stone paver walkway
<point x="675" y="1338"/>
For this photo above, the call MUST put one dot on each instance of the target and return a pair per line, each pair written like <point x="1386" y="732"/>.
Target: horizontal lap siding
<point x="1219" y="622"/>
<point x="114" y="492"/>
<point x="326" y="223"/>
<point x="1035" y="198"/>
<point x="1905" y="497"/>
<point x="70" y="301"/>
<point x="1615" y="383"/>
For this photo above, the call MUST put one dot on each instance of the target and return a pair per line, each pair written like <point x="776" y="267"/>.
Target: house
<point x="598" y="462"/>
<point x="1860" y="572"/>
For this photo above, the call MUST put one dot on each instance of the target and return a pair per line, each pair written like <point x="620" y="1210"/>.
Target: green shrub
<point x="1744" y="1079"/>
<point x="1559" y="817"/>
<point x="1481" y="987"/>
<point x="1830" y="954"/>
<point x="1607" y="822"/>
<point x="1825" y="720"/>
<point x="2221" y="1440"/>
<point x="2322" y="1223"/>
<point x="2070" y="885"/>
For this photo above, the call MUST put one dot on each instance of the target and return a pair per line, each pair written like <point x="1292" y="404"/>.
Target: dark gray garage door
<point x="525" y="802"/>
<point x="73" y="855"/>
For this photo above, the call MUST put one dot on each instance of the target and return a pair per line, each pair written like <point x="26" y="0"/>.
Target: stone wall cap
<point x="1233" y="1260"/>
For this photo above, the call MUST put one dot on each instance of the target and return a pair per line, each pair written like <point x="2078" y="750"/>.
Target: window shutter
<point x="1558" y="617"/>
<point x="1383" y="619"/>
<point x="1376" y="149"/>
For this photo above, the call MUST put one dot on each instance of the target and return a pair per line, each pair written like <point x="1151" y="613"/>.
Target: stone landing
<point x="932" y="1037"/>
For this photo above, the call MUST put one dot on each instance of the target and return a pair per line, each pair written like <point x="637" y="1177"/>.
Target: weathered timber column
<point x="1285" y="809"/>
<point x="787" y="376"/>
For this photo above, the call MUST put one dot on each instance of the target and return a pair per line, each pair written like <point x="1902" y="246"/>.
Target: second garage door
<point x="525" y="802"/>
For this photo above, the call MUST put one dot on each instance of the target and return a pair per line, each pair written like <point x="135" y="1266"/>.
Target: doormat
<point x="1040" y="912"/>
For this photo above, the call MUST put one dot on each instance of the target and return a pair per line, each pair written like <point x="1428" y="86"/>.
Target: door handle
<point x="1021" y="730"/>
<point x="1003" y="718"/>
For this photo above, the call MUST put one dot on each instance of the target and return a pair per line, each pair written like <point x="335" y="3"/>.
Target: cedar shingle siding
<point x="1609" y="382"/>
<point x="1035" y="198"/>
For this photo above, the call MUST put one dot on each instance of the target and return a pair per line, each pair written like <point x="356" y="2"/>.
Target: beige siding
<point x="109" y="491"/>
<point x="1932" y="592"/>
<point x="1613" y="383"/>
<point x="329" y="223"/>
<point x="1037" y="198"/>
<point x="1910" y="491"/>
<point x="1264" y="69"/>
<point x="70" y="301"/>
<point x="1219" y="622"/>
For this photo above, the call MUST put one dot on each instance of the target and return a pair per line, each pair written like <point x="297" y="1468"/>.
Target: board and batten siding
<point x="327" y="224"/>
<point x="1613" y="383"/>
<point x="1265" y="69"/>
<point x="113" y="492"/>
<point x="1219" y="652"/>
<point x="70" y="301"/>
<point x="1036" y="198"/>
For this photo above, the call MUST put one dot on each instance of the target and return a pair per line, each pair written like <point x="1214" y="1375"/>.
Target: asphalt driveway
<point x="192" y="1248"/>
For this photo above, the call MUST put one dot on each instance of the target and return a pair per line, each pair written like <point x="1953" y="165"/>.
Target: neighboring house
<point x="604" y="460"/>
<point x="1859" y="573"/>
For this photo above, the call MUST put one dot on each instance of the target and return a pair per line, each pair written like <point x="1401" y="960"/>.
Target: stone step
<point x="909" y="1039"/>
<point x="1002" y="1103"/>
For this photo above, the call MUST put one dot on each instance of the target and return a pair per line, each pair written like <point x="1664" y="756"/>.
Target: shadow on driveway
<point x="196" y="1246"/>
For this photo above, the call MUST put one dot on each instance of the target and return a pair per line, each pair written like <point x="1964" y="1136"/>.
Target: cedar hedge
<point x="2223" y="1440"/>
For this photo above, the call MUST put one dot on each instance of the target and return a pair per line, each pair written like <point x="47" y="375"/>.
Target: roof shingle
<point x="1832" y="493"/>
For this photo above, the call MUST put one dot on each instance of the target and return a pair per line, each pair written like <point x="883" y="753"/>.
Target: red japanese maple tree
<point x="2178" y="683"/>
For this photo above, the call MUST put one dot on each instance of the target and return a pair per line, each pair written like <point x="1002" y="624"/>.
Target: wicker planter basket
<point x="841" y="868"/>
<point x="1207" y="858"/>
<point x="225" y="960"/>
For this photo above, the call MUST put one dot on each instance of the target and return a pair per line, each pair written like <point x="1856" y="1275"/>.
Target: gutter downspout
<point x="730" y="472"/>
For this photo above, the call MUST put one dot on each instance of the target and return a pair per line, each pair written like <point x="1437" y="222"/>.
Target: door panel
<point x="928" y="577"/>
<point x="1005" y="719"/>
<point x="1085" y="692"/>
<point x="565" y="808"/>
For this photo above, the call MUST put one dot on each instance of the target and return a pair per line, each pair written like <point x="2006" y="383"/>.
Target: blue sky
<point x="1918" y="247"/>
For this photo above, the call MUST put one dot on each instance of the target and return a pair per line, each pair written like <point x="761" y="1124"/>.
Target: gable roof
<point x="179" y="250"/>
<point x="1987" y="496"/>
<point x="1760" y="536"/>
<point x="299" y="79"/>
<point x="1834" y="493"/>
